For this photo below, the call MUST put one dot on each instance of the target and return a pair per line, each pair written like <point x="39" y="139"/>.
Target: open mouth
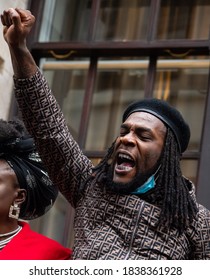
<point x="124" y="163"/>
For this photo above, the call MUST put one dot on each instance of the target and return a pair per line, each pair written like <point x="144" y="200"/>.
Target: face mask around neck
<point x="148" y="185"/>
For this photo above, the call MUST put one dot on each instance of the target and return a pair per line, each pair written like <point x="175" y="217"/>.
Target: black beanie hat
<point x="167" y="114"/>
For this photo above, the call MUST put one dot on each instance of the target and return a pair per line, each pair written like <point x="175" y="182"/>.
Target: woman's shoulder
<point x="43" y="245"/>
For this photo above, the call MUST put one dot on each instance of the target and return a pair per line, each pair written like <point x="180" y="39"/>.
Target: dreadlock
<point x="100" y="171"/>
<point x="171" y="193"/>
<point x="178" y="208"/>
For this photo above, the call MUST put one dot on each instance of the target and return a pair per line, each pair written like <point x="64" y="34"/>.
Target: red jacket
<point x="30" y="245"/>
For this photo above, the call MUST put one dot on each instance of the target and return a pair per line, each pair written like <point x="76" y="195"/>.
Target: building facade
<point x="100" y="55"/>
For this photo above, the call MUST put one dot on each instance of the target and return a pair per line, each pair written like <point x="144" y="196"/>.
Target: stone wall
<point x="6" y="73"/>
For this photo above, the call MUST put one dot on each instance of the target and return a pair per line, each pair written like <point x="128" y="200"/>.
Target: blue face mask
<point x="148" y="185"/>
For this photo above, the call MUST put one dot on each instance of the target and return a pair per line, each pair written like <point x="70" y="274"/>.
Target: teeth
<point x="124" y="168"/>
<point x="124" y="156"/>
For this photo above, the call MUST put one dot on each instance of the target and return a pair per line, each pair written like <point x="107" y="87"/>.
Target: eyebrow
<point x="124" y="126"/>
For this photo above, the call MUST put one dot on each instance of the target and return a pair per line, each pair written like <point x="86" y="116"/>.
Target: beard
<point x="127" y="188"/>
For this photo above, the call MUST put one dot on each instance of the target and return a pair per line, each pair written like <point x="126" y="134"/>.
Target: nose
<point x="128" y="139"/>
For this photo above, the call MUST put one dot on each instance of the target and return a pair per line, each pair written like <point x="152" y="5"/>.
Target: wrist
<point x="23" y="63"/>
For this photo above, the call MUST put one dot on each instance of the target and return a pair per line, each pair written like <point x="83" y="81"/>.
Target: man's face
<point x="139" y="146"/>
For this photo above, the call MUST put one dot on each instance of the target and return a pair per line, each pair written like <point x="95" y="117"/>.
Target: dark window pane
<point x="184" y="19"/>
<point x="65" y="20"/>
<point x="184" y="83"/>
<point x="123" y="20"/>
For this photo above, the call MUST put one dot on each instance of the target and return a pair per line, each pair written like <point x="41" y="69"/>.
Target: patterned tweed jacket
<point x="107" y="225"/>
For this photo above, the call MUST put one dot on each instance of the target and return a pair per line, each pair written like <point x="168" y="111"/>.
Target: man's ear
<point x="21" y="197"/>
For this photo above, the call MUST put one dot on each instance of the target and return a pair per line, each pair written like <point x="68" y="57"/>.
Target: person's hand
<point x="17" y="25"/>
